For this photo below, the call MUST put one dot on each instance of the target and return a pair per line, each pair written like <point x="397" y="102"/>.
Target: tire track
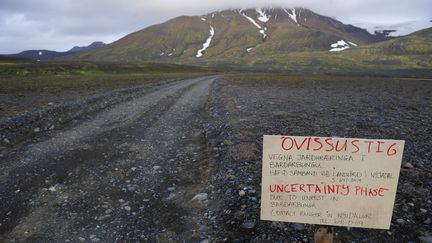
<point x="24" y="190"/>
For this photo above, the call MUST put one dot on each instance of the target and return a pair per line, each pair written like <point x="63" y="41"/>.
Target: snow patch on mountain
<point x="207" y="43"/>
<point x="262" y="30"/>
<point x="251" y="20"/>
<point x="203" y="19"/>
<point x="262" y="15"/>
<point x="171" y="53"/>
<point x="341" y="45"/>
<point x="352" y="43"/>
<point x="292" y="15"/>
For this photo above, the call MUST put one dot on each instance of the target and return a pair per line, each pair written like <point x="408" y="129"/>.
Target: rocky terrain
<point x="244" y="107"/>
<point x="180" y="161"/>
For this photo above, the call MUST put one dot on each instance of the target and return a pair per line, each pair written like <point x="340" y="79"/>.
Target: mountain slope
<point x="234" y="34"/>
<point x="417" y="43"/>
<point x="183" y="34"/>
<point x="412" y="52"/>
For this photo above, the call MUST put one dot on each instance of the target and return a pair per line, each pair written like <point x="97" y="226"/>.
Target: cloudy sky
<point x="61" y="24"/>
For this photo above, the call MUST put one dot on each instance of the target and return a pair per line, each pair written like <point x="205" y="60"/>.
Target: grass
<point x="299" y="78"/>
<point x="358" y="59"/>
<point x="59" y="76"/>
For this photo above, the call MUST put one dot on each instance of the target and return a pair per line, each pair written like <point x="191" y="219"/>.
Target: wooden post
<point x="323" y="235"/>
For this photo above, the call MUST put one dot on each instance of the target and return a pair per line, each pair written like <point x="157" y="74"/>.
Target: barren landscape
<point x="216" y="121"/>
<point x="179" y="159"/>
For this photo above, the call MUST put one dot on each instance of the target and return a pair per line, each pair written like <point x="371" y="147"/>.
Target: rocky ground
<point x="181" y="160"/>
<point x="246" y="106"/>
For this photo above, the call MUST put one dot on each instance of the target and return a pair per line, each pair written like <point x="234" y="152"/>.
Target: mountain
<point x="268" y="39"/>
<point x="94" y="45"/>
<point x="234" y="34"/>
<point x="44" y="55"/>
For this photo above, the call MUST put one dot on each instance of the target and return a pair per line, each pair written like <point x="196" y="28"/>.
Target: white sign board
<point x="330" y="181"/>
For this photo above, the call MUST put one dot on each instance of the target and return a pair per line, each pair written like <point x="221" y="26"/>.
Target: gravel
<point x="243" y="108"/>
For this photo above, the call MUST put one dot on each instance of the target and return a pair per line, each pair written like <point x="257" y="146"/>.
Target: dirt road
<point x="129" y="173"/>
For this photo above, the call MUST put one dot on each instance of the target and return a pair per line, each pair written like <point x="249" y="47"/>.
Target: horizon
<point x="59" y="27"/>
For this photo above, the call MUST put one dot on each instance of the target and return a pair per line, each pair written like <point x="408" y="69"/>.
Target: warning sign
<point x="330" y="181"/>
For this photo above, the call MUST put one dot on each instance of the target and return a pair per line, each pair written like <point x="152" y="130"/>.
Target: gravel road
<point x="128" y="173"/>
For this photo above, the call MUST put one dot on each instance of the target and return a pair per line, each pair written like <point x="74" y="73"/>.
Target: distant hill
<point x="40" y="55"/>
<point x="94" y="45"/>
<point x="44" y="55"/>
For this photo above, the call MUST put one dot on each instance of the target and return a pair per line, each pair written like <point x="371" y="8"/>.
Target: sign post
<point x="330" y="181"/>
